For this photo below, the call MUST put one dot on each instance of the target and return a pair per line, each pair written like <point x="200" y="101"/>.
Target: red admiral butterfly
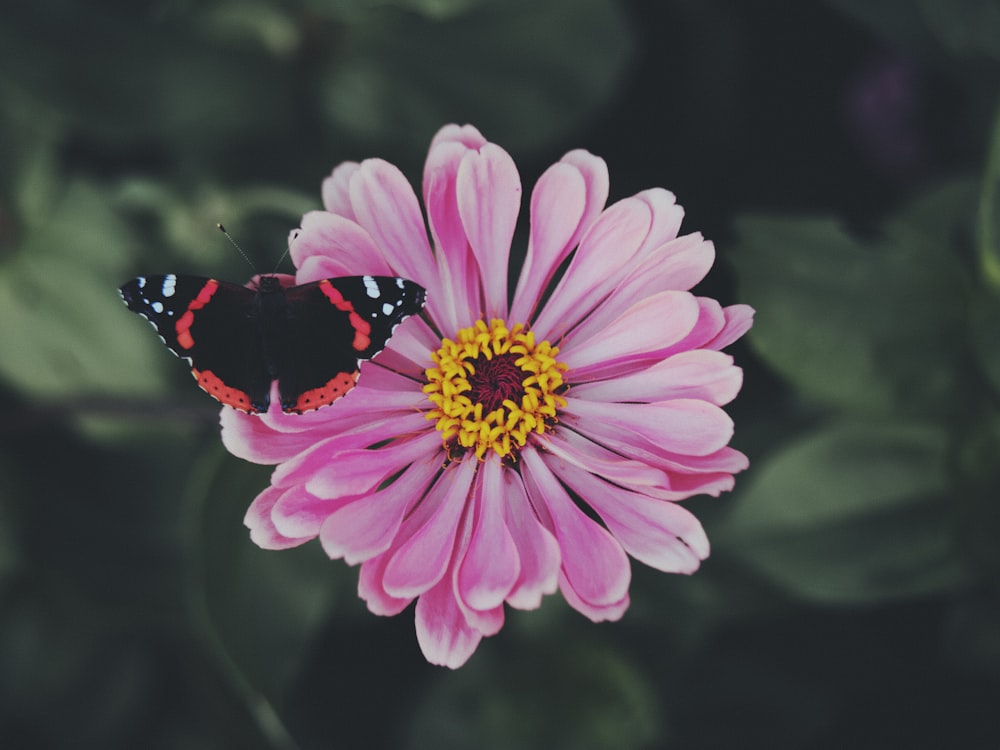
<point x="310" y="338"/>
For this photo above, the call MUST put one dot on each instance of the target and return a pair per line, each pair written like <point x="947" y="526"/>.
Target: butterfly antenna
<point x="284" y="255"/>
<point x="238" y="248"/>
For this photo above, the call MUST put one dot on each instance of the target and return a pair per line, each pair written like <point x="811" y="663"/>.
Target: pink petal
<point x="336" y="190"/>
<point x="593" y="562"/>
<point x="627" y="472"/>
<point x="489" y="200"/>
<point x="250" y="438"/>
<point x="420" y="562"/>
<point x="442" y="632"/>
<point x="490" y="567"/>
<point x="659" y="533"/>
<point x="715" y="484"/>
<point x="700" y="374"/>
<point x="537" y="549"/>
<point x="595" y="174"/>
<point x="677" y="265"/>
<point x="345" y="248"/>
<point x="711" y="321"/>
<point x="467" y="135"/>
<point x="366" y="527"/>
<point x="373" y="593"/>
<point x="359" y="471"/>
<point x="595" y="269"/>
<point x="408" y="351"/>
<point x="667" y="217"/>
<point x="262" y="530"/>
<point x="685" y="426"/>
<point x="304" y="466"/>
<point x="647" y="328"/>
<point x="457" y="268"/>
<point x="387" y="208"/>
<point x="593" y="612"/>
<point x="739" y="318"/>
<point x="298" y="513"/>
<point x="557" y="206"/>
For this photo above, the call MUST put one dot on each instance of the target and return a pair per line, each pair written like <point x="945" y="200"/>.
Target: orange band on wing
<point x="362" y="328"/>
<point x="183" y="325"/>
<point x="336" y="387"/>
<point x="214" y="387"/>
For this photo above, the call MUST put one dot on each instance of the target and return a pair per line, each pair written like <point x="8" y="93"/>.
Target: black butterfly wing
<point x="213" y="325"/>
<point x="331" y="327"/>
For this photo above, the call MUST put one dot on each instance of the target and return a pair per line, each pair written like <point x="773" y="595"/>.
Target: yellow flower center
<point x="492" y="387"/>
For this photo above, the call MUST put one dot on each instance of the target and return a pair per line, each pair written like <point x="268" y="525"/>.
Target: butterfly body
<point x="310" y="338"/>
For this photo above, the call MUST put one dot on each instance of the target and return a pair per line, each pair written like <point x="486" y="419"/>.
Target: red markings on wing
<point x="335" y="387"/>
<point x="183" y="326"/>
<point x="362" y="328"/>
<point x="214" y="387"/>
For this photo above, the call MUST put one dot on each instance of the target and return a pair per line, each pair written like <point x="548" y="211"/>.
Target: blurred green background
<point x="843" y="155"/>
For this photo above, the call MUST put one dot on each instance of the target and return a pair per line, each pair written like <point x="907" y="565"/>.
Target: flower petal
<point x="595" y="174"/>
<point x="298" y="513"/>
<point x="366" y="527"/>
<point x="336" y="190"/>
<point x="659" y="533"/>
<point x="640" y="334"/>
<point x="666" y="220"/>
<point x="325" y="451"/>
<point x="262" y="529"/>
<point x="739" y="318"/>
<point x="537" y="548"/>
<point x="557" y="205"/>
<point x="387" y="208"/>
<point x="678" y="265"/>
<point x="627" y="472"/>
<point x="489" y="200"/>
<point x="605" y="250"/>
<point x="360" y="471"/>
<point x="456" y="264"/>
<point x="329" y="245"/>
<point x="490" y="567"/>
<point x="467" y="135"/>
<point x="372" y="590"/>
<point x="686" y="426"/>
<point x="420" y="562"/>
<point x="593" y="612"/>
<point x="702" y="374"/>
<point x="445" y="638"/>
<point x="593" y="562"/>
<point x="250" y="438"/>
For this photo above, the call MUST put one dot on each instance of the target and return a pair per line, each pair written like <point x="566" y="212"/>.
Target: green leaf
<point x="855" y="513"/>
<point x="262" y="608"/>
<point x="989" y="213"/>
<point x="964" y="28"/>
<point x="523" y="72"/>
<point x="521" y="702"/>
<point x="872" y="326"/>
<point x="984" y="323"/>
<point x="64" y="328"/>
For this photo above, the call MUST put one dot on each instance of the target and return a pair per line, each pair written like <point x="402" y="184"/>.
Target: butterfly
<point x="311" y="338"/>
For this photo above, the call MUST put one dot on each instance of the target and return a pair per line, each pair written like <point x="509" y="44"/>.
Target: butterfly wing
<point x="332" y="326"/>
<point x="213" y="326"/>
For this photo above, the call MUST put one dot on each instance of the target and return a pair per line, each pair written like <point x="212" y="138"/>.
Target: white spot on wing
<point x="386" y="308"/>
<point x="371" y="286"/>
<point x="169" y="282"/>
<point x="157" y="307"/>
<point x="141" y="281"/>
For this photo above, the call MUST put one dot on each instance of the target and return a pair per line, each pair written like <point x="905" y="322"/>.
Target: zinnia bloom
<point x="457" y="471"/>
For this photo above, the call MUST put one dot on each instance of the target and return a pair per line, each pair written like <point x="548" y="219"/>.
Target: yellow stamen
<point x="492" y="387"/>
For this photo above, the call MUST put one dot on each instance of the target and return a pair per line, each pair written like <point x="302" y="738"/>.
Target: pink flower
<point x="455" y="472"/>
